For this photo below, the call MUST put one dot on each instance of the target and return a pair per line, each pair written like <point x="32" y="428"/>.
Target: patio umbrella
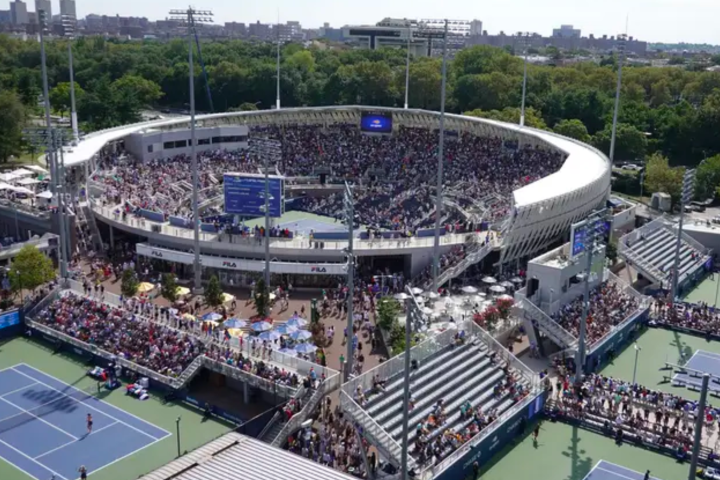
<point x="516" y="280"/>
<point x="489" y="280"/>
<point x="261" y="326"/>
<point x="297" y="322"/>
<point x="145" y="287"/>
<point x="402" y="296"/>
<point x="45" y="194"/>
<point x="286" y="329"/>
<point x="469" y="289"/>
<point x="301" y="335"/>
<point x="270" y="335"/>
<point x="505" y="297"/>
<point x="497" y="289"/>
<point x="305" y="348"/>
<point x="227" y="298"/>
<point x="187" y="316"/>
<point x="182" y="291"/>
<point x="427" y="310"/>
<point x="416" y="290"/>
<point x="211" y="317"/>
<point x="235" y="332"/>
<point x="288" y="351"/>
<point x="431" y="295"/>
<point x="507" y="284"/>
<point x="235" y="323"/>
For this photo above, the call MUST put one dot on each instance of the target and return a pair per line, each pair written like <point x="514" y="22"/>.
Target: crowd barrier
<point x="152" y="216"/>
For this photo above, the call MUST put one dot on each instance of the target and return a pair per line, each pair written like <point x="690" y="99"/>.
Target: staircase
<point x="86" y="216"/>
<point x="471" y="258"/>
<point x="531" y="312"/>
<point x="276" y="426"/>
<point x="188" y="374"/>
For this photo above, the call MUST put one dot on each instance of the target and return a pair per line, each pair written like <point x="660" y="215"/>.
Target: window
<point x="216" y="140"/>
<point x="204" y="141"/>
<point x="150" y="148"/>
<point x="181" y="144"/>
<point x="168" y="145"/>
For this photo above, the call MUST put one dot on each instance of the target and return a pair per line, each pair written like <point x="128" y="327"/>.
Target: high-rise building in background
<point x="67" y="8"/>
<point x="566" y="31"/>
<point x="18" y="12"/>
<point x="476" y="27"/>
<point x="45" y="6"/>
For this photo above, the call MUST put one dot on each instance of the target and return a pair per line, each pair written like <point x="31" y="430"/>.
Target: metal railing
<point x="553" y="329"/>
<point x="471" y="258"/>
<point x="268" y="426"/>
<point x="251" y="379"/>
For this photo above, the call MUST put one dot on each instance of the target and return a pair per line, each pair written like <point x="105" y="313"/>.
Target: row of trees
<point x="673" y="111"/>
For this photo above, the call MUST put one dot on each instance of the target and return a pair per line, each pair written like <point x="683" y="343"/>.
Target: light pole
<point x="350" y="255"/>
<point x="407" y="63"/>
<point x="620" y="52"/>
<point x="69" y="29"/>
<point x="191" y="17"/>
<point x="269" y="150"/>
<point x="637" y="352"/>
<point x="430" y="33"/>
<point x="699" y="423"/>
<point x="525" y="39"/>
<point x="687" y="192"/>
<point x="594" y="232"/>
<point x="177" y="431"/>
<point x="412" y="311"/>
<point x="277" y="98"/>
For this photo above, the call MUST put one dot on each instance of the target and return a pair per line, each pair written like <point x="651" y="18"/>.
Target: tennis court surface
<point x="701" y="361"/>
<point x="43" y="429"/>
<point x="306" y="225"/>
<point x="609" y="471"/>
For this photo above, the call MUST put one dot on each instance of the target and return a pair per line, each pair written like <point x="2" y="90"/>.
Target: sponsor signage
<point x="9" y="319"/>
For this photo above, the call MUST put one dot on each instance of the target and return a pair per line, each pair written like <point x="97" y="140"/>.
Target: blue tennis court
<point x="43" y="428"/>
<point x="609" y="471"/>
<point x="305" y="225"/>
<point x="701" y="361"/>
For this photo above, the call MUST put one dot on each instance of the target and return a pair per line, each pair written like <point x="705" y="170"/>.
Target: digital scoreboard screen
<point x="9" y="319"/>
<point x="376" y="122"/>
<point x="245" y="194"/>
<point x="579" y="234"/>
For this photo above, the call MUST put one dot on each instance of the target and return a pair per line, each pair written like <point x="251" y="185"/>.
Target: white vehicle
<point x="631" y="166"/>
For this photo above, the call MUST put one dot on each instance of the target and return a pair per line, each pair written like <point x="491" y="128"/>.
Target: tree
<point x="660" y="177"/>
<point x="490" y="91"/>
<point x="168" y="287"/>
<point x="12" y="121"/>
<point x="129" y="283"/>
<point x="30" y="269"/>
<point x="213" y="292"/>
<point x="707" y="178"/>
<point x="388" y="309"/>
<point x="262" y="298"/>
<point x="60" y="97"/>
<point x="245" y="107"/>
<point x="425" y="81"/>
<point x="512" y="115"/>
<point x="630" y="143"/>
<point x="573" y="128"/>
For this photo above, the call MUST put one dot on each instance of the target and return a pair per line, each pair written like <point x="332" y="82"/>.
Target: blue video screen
<point x="578" y="240"/>
<point x="376" y="122"/>
<point x="245" y="195"/>
<point x="9" y="319"/>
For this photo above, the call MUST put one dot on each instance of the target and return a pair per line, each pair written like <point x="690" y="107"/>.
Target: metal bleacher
<point x="651" y="249"/>
<point x="453" y="373"/>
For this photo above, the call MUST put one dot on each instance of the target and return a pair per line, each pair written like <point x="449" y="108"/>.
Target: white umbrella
<point x="469" y="289"/>
<point x="497" y="289"/>
<point x="6" y="186"/>
<point x="7" y="177"/>
<point x="507" y="284"/>
<point x="24" y="190"/>
<point x="431" y="295"/>
<point x="416" y="290"/>
<point x="489" y="280"/>
<point x="505" y="297"/>
<point x="46" y="194"/>
<point x="36" y="169"/>
<point x="21" y="172"/>
<point x="27" y="181"/>
<point x="427" y="310"/>
<point x="402" y="296"/>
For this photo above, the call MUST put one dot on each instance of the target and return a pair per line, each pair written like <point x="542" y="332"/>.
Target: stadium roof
<point x="238" y="457"/>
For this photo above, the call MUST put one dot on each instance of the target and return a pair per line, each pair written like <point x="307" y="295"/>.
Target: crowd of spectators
<point x="632" y="412"/>
<point x="398" y="173"/>
<point x="700" y="317"/>
<point x="609" y="305"/>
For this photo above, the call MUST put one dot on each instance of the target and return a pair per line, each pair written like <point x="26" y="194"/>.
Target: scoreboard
<point x="245" y="194"/>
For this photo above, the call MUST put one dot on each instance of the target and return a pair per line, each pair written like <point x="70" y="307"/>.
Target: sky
<point x="670" y="21"/>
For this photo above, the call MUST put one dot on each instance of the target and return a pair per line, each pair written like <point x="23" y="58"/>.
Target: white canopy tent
<point x="22" y="172"/>
<point x="8" y="177"/>
<point x="46" y="194"/>
<point x="36" y="169"/>
<point x="28" y="181"/>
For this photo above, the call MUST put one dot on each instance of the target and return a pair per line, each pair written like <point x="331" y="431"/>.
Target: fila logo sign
<point x="156" y="254"/>
<point x="229" y="264"/>
<point x="318" y="269"/>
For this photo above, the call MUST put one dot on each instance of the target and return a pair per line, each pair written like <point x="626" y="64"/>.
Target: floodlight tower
<point x="192" y="17"/>
<point x="621" y="39"/>
<point x="408" y="24"/>
<point x="68" y="24"/>
<point x="687" y="193"/>
<point x="277" y="97"/>
<point x="525" y="41"/>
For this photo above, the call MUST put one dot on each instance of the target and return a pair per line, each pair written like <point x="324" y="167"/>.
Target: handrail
<point x="552" y="328"/>
<point x="269" y="425"/>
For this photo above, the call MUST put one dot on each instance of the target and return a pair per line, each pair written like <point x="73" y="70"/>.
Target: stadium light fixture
<point x="621" y="39"/>
<point x="408" y="25"/>
<point x="68" y="23"/>
<point x="688" y="186"/>
<point x="191" y="18"/>
<point x="441" y="160"/>
<point x="277" y="98"/>
<point x="350" y="255"/>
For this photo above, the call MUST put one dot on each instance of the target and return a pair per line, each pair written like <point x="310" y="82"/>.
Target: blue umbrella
<point x="235" y="323"/>
<point x="297" y="322"/>
<point x="305" y="348"/>
<point x="261" y="326"/>
<point x="301" y="335"/>
<point x="270" y="335"/>
<point x="286" y="329"/>
<point x="212" y="317"/>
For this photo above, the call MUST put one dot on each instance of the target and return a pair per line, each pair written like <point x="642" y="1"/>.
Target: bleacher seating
<point x="657" y="249"/>
<point x="457" y="374"/>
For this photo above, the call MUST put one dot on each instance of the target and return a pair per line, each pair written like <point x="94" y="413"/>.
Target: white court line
<point x="129" y="454"/>
<point x="17" y="390"/>
<point x="38" y="418"/>
<point x="110" y="405"/>
<point x="74" y="441"/>
<point x="616" y="474"/>
<point x="32" y="460"/>
<point x="709" y="354"/>
<point x="93" y="408"/>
